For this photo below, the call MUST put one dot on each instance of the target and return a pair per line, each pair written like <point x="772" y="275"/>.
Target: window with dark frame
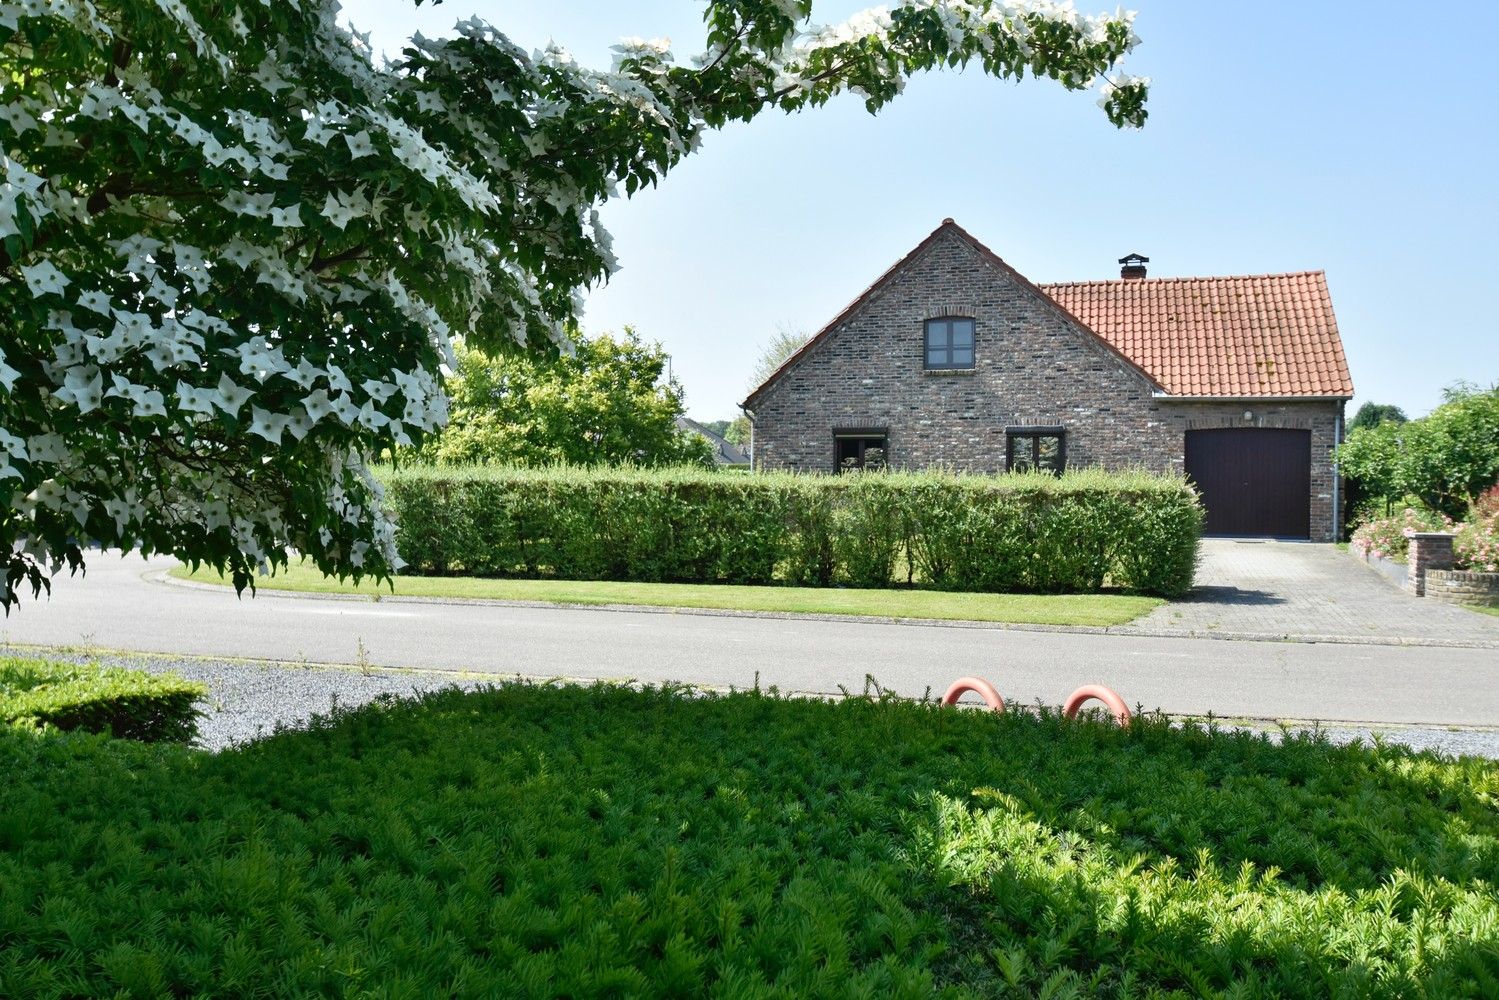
<point x="949" y="343"/>
<point x="862" y="450"/>
<point x="1042" y="450"/>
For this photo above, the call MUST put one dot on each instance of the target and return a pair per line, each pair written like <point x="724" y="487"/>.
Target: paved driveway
<point x="1251" y="588"/>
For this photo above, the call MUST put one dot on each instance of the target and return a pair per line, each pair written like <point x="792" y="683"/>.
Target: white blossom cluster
<point x="233" y="251"/>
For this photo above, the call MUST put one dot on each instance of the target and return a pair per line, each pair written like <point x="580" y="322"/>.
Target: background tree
<point x="1374" y="414"/>
<point x="738" y="431"/>
<point x="232" y="250"/>
<point x="1446" y="459"/>
<point x="785" y="342"/>
<point x="607" y="401"/>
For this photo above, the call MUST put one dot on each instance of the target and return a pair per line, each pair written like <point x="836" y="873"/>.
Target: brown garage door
<point x="1254" y="481"/>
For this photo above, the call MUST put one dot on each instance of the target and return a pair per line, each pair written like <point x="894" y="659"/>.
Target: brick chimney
<point x="1133" y="266"/>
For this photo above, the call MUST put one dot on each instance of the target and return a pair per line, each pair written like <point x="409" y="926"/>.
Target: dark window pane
<point x="962" y="357"/>
<point x="962" y="333"/>
<point x="936" y="356"/>
<point x="1049" y="453"/>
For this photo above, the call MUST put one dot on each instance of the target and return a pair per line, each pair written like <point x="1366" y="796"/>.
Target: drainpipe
<point x="1337" y="474"/>
<point x="751" y="415"/>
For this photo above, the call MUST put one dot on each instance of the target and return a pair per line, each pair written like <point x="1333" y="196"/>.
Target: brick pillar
<point x="1429" y="550"/>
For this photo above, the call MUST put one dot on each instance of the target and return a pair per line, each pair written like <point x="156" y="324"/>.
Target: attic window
<point x="949" y="343"/>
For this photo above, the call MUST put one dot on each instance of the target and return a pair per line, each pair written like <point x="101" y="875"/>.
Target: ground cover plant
<point x="1038" y="533"/>
<point x="602" y="841"/>
<point x="131" y="704"/>
<point x="1033" y="609"/>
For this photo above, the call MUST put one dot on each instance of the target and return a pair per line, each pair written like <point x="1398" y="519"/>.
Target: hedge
<point x="128" y="704"/>
<point x="1033" y="533"/>
<point x="536" y="841"/>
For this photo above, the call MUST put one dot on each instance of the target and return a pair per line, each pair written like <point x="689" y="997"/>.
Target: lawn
<point x="537" y="841"/>
<point x="1032" y="609"/>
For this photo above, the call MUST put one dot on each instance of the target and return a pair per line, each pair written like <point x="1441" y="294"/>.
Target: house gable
<point x="950" y="237"/>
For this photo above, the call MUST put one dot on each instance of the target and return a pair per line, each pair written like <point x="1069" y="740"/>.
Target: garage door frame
<point x="1254" y="481"/>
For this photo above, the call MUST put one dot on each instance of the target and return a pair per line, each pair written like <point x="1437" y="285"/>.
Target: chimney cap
<point x="1133" y="266"/>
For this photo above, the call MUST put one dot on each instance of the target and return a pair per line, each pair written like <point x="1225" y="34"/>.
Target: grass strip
<point x="1030" y="609"/>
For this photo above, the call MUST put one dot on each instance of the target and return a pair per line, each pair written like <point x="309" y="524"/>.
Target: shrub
<point x="1446" y="458"/>
<point x="1389" y="537"/>
<point x="1477" y="544"/>
<point x="1032" y="532"/>
<point x="546" y="841"/>
<point x="128" y="704"/>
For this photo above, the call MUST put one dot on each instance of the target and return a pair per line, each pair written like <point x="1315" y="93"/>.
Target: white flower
<point x="14" y="446"/>
<point x="288" y="218"/>
<point x="304" y="374"/>
<point x="239" y="253"/>
<point x="83" y="387"/>
<point x="298" y="424"/>
<point x="371" y="417"/>
<point x="267" y="424"/>
<point x="42" y="278"/>
<point x="317" y="405"/>
<point x="360" y="144"/>
<point x="378" y="391"/>
<point x="230" y="397"/>
<point x="338" y="214"/>
<point x="8" y="375"/>
<point x="16" y="117"/>
<point x="96" y="301"/>
<point x="195" y="400"/>
<point x="149" y="403"/>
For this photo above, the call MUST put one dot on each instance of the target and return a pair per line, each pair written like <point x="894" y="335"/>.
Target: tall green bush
<point x="1077" y="532"/>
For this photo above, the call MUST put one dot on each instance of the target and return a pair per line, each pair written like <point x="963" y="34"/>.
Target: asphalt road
<point x="119" y="606"/>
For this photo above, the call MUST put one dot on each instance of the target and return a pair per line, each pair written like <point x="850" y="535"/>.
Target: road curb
<point x="165" y="577"/>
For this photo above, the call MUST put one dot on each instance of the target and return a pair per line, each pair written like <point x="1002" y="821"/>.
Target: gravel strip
<point x="249" y="699"/>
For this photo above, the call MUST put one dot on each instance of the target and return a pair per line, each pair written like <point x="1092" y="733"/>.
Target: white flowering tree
<point x="233" y="250"/>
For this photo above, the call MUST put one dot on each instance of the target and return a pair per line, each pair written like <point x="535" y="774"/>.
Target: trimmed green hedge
<point x="1034" y="533"/>
<point x="538" y="841"/>
<point x="128" y="704"/>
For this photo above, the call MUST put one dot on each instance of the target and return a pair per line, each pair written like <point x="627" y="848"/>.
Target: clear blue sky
<point x="1362" y="140"/>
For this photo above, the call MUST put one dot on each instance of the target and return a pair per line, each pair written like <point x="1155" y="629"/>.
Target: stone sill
<point x="944" y="372"/>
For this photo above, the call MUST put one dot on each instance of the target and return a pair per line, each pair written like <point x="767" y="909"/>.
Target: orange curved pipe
<point x="1111" y="701"/>
<point x="978" y="686"/>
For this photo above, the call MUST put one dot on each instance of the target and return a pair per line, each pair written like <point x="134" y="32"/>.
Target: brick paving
<point x="1250" y="588"/>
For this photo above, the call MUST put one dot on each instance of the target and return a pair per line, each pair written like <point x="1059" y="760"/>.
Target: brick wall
<point x="1034" y="365"/>
<point x="1457" y="587"/>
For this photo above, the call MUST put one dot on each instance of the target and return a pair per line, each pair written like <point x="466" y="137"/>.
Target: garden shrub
<point x="1476" y="547"/>
<point x="538" y="841"/>
<point x="129" y="704"/>
<point x="1389" y="537"/>
<point x="1035" y="532"/>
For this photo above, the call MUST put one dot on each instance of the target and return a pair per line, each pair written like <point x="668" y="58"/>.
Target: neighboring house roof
<point x="1262" y="335"/>
<point x="724" y="452"/>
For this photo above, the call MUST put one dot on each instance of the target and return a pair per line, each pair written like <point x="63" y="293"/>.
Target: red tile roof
<point x="1264" y="335"/>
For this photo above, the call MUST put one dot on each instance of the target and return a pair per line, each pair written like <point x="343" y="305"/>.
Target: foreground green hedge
<point x="130" y="704"/>
<point x="588" y="842"/>
<point x="1034" y="533"/>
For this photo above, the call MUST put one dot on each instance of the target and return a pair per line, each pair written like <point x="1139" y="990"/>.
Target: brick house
<point x="954" y="359"/>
